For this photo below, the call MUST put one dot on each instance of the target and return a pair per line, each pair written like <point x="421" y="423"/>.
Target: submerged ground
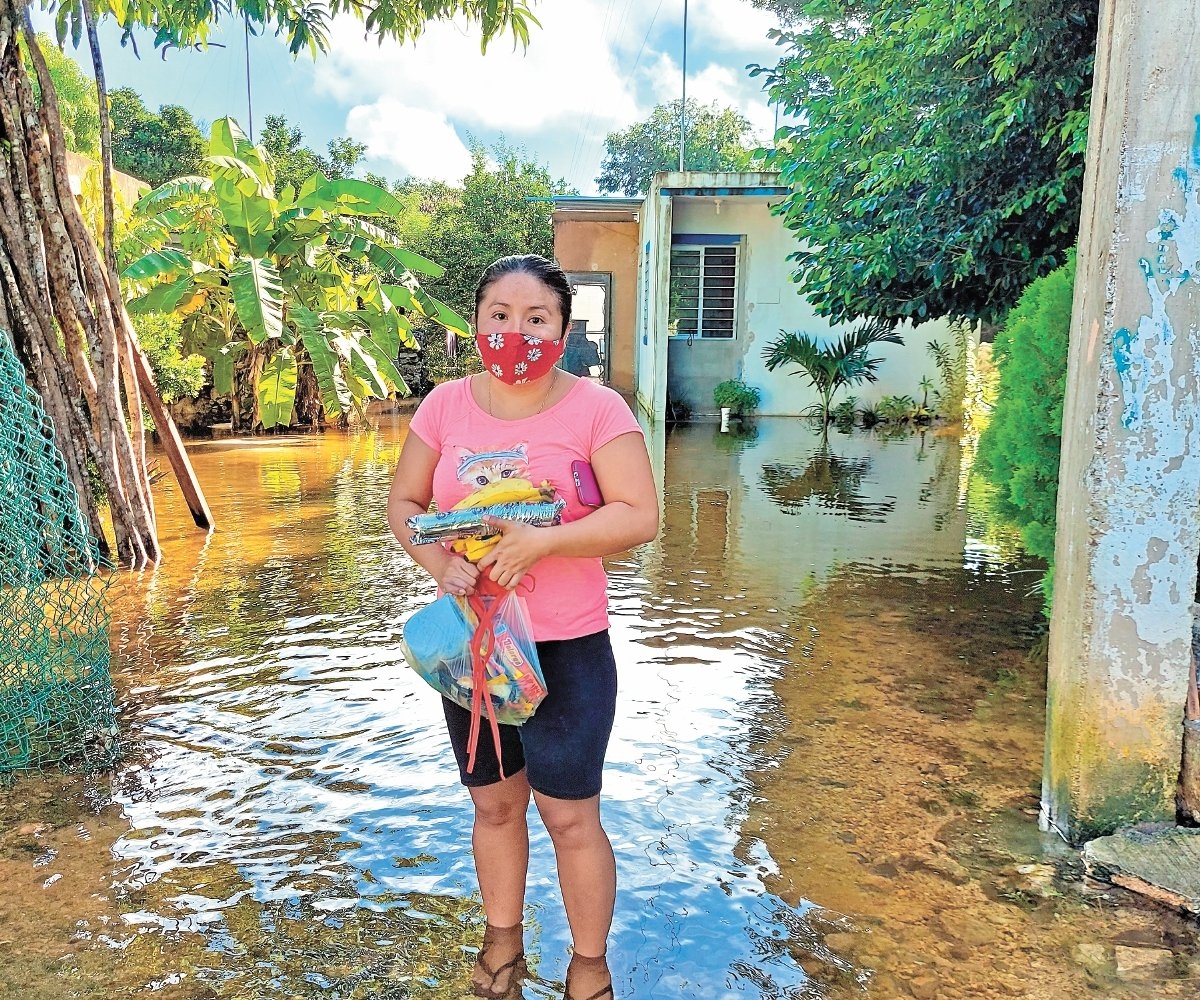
<point x="823" y="782"/>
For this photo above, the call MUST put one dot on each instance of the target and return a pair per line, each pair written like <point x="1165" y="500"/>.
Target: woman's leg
<point x="564" y="745"/>
<point x="500" y="840"/>
<point x="587" y="870"/>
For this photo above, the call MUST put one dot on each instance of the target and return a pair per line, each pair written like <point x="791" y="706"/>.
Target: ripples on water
<point x="289" y="781"/>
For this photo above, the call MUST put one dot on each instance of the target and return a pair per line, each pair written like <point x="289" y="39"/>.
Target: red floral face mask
<point x="515" y="358"/>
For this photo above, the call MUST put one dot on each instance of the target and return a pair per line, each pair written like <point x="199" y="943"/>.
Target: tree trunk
<point x="66" y="318"/>
<point x="108" y="239"/>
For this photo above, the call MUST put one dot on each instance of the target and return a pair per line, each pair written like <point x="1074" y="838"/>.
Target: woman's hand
<point x="459" y="577"/>
<point x="520" y="546"/>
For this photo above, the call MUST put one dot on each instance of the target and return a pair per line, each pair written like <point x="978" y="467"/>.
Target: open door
<point x="589" y="341"/>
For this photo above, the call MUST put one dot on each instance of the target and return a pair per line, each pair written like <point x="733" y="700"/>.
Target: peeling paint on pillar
<point x="1158" y="465"/>
<point x="1111" y="747"/>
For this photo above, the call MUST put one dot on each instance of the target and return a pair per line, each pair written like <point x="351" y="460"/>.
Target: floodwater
<point x="823" y="780"/>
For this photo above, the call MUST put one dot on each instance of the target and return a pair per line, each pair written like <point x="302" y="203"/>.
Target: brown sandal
<point x="499" y="942"/>
<point x="584" y="963"/>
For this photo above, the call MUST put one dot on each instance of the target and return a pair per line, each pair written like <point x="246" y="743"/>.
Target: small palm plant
<point x="830" y="367"/>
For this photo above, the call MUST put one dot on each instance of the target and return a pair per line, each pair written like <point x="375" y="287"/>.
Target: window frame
<point x="704" y="243"/>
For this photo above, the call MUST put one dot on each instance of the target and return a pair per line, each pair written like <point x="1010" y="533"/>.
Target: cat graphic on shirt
<point x="477" y="469"/>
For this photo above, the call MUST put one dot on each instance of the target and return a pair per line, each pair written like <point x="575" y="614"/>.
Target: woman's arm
<point x="411" y="491"/>
<point x="629" y="517"/>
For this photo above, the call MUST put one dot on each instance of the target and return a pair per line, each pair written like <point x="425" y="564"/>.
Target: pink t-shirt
<point x="569" y="596"/>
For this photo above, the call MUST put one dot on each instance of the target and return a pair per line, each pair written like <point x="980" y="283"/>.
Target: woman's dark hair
<point x="546" y="271"/>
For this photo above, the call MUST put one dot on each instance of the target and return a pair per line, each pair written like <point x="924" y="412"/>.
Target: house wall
<point x="128" y="189"/>
<point x="607" y="247"/>
<point x="654" y="267"/>
<point x="768" y="303"/>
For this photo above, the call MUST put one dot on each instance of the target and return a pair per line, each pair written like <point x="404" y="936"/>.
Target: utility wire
<point x="583" y="134"/>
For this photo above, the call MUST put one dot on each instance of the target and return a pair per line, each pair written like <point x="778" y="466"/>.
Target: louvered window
<point x="703" y="293"/>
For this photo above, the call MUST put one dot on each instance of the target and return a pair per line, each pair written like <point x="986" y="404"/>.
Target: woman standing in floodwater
<point x="523" y="416"/>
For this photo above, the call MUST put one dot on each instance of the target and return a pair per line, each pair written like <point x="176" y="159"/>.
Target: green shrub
<point x="846" y="412"/>
<point x="737" y="395"/>
<point x="1019" y="450"/>
<point x="896" y="409"/>
<point x="176" y="375"/>
<point x="953" y="366"/>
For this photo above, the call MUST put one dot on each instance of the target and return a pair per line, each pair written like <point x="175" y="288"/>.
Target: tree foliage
<point x="1019" y="451"/>
<point x="153" y="147"/>
<point x="502" y="208"/>
<point x="936" y="158"/>
<point x="304" y="27"/>
<point x="299" y="277"/>
<point x="716" y="139"/>
<point x="295" y="162"/>
<point x="77" y="104"/>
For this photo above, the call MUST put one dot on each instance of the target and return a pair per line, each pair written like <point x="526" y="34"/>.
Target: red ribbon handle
<point x="483" y="642"/>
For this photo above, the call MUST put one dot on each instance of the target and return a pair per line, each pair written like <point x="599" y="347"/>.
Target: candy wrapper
<point x="451" y="525"/>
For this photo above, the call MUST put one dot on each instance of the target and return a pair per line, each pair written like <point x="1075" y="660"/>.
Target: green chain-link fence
<point x="57" y="704"/>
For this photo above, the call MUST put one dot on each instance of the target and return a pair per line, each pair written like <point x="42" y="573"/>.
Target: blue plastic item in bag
<point x="437" y="645"/>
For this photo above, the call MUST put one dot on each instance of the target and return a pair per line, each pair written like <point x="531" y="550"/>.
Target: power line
<point x="583" y="133"/>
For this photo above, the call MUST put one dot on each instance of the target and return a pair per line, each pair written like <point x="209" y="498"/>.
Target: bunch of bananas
<point x="502" y="491"/>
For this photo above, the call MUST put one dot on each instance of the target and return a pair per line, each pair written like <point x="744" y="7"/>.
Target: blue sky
<point x="595" y="66"/>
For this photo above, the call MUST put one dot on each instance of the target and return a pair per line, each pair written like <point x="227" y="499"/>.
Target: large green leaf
<point x="242" y="183"/>
<point x="401" y="297"/>
<point x="411" y="261"/>
<point x="373" y="243"/>
<point x="236" y="170"/>
<point x="364" y="366"/>
<point x="327" y="362"/>
<point x="383" y="344"/>
<point x="223" y="361"/>
<point x="293" y="237"/>
<point x="276" y="389"/>
<point x="249" y="216"/>
<point x="227" y="142"/>
<point x="163" y="297"/>
<point x="158" y="262"/>
<point x="258" y="298"/>
<point x="385" y="360"/>
<point x="180" y="188"/>
<point x="438" y="311"/>
<point x="349" y="195"/>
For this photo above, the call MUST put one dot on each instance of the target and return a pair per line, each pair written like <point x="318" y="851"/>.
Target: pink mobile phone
<point x="585" y="484"/>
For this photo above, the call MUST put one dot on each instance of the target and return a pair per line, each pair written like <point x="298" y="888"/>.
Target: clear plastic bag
<point x="464" y="648"/>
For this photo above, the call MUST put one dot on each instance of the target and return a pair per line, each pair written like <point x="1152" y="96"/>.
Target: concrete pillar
<point x="1129" y="485"/>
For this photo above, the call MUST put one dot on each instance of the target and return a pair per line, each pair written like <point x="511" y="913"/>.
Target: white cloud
<point x="731" y="25"/>
<point x="519" y="91"/>
<point x="594" y="66"/>
<point x="719" y="84"/>
<point x="420" y="142"/>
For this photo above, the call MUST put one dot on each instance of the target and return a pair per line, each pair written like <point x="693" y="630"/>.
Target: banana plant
<point x="295" y="280"/>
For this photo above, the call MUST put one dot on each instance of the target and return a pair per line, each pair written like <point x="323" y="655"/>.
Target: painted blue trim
<point x="706" y="239"/>
<point x="703" y="192"/>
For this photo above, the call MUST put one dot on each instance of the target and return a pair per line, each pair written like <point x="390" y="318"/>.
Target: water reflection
<point x="292" y="823"/>
<point x="827" y="480"/>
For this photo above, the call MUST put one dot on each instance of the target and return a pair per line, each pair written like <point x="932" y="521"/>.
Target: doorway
<point x="591" y="313"/>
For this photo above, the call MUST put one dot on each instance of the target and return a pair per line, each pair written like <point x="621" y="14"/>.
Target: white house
<point x="713" y="290"/>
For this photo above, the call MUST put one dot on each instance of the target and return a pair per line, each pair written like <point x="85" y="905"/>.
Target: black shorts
<point x="562" y="746"/>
